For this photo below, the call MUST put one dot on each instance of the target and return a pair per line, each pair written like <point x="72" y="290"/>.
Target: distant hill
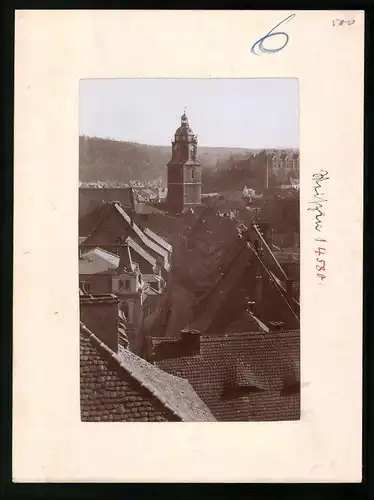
<point x="110" y="160"/>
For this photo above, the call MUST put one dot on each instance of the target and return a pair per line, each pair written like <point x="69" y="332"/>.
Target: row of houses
<point x="220" y="342"/>
<point x="118" y="256"/>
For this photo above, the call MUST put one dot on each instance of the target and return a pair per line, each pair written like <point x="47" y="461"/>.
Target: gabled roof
<point x="102" y="212"/>
<point x="123" y="387"/>
<point x="96" y="261"/>
<point x="144" y="239"/>
<point x="241" y="377"/>
<point x="212" y="304"/>
<point x="226" y="302"/>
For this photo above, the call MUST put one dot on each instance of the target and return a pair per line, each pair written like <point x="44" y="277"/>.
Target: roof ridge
<point x="270" y="274"/>
<point x="264" y="335"/>
<point x="235" y="335"/>
<point x="114" y="356"/>
<point x="153" y="391"/>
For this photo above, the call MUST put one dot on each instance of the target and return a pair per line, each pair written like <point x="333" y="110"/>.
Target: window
<point x="193" y="175"/>
<point x="124" y="285"/>
<point x="125" y="310"/>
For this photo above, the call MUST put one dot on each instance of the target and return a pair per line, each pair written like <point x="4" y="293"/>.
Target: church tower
<point x="184" y="171"/>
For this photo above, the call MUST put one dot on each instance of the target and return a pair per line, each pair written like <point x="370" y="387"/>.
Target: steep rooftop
<point x="124" y="387"/>
<point x="241" y="377"/>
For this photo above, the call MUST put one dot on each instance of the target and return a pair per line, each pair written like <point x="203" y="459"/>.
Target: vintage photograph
<point x="189" y="250"/>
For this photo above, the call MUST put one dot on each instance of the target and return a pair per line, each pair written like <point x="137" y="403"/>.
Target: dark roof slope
<point x="241" y="377"/>
<point x="90" y="197"/>
<point x="89" y="220"/>
<point x="124" y="387"/>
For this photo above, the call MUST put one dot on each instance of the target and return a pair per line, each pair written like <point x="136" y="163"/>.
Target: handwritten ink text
<point x="321" y="263"/>
<point x="342" y="22"/>
<point x="319" y="199"/>
<point x="259" y="45"/>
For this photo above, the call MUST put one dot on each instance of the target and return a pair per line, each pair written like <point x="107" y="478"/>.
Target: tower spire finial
<point x="184" y="119"/>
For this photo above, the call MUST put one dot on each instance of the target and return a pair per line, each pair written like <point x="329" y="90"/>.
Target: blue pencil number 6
<point x="259" y="45"/>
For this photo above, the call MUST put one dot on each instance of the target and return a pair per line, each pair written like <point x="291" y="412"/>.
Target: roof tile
<point x="241" y="376"/>
<point x="124" y="387"/>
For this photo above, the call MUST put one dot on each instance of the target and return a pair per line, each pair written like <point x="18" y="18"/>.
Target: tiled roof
<point x="247" y="322"/>
<point x="123" y="387"/>
<point x="240" y="377"/>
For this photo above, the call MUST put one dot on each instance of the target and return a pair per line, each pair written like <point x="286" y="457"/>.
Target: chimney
<point x="276" y="326"/>
<point x="190" y="340"/>
<point x="99" y="313"/>
<point x="125" y="260"/>
<point x="251" y="306"/>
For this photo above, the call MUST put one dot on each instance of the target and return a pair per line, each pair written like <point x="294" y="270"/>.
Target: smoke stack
<point x="99" y="313"/>
<point x="191" y="341"/>
<point x="251" y="306"/>
<point x="276" y="326"/>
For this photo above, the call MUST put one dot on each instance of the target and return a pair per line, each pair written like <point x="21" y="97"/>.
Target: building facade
<point x="184" y="170"/>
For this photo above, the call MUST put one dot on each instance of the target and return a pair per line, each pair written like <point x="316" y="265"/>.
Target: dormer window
<point x="244" y="381"/>
<point x="233" y="392"/>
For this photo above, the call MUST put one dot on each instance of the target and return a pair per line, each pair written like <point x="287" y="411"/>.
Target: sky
<point x="248" y="113"/>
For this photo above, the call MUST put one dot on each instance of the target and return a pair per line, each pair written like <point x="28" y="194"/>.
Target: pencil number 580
<point x="341" y="22"/>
